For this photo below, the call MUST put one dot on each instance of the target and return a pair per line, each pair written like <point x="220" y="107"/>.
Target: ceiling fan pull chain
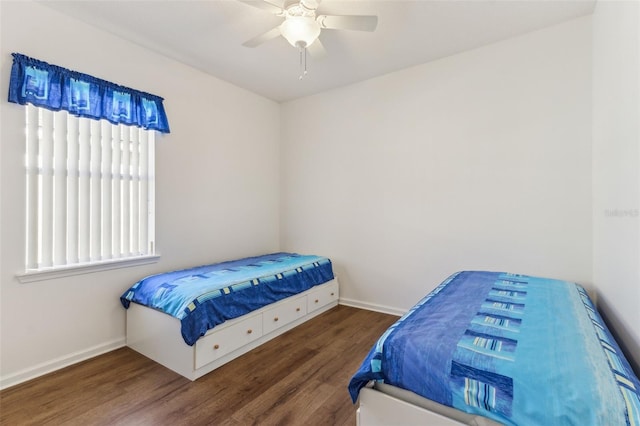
<point x="301" y="68"/>
<point x="303" y="62"/>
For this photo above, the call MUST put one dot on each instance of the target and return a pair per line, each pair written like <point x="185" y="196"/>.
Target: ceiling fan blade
<point x="271" y="34"/>
<point x="264" y="5"/>
<point x="350" y="22"/>
<point x="317" y="50"/>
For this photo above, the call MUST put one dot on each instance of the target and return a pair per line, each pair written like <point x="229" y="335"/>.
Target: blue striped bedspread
<point x="517" y="349"/>
<point x="205" y="296"/>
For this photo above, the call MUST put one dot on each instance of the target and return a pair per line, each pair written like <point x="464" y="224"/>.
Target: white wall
<point x="478" y="161"/>
<point x="217" y="177"/>
<point x="616" y="165"/>
<point x="481" y="160"/>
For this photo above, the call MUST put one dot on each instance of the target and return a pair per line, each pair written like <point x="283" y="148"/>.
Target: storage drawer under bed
<point x="283" y="314"/>
<point x="321" y="296"/>
<point x="227" y="339"/>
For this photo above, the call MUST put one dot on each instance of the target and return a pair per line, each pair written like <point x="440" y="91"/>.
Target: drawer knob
<point x="332" y="294"/>
<point x="249" y="331"/>
<point x="297" y="309"/>
<point x="317" y="300"/>
<point x="276" y="319"/>
<point x="216" y="346"/>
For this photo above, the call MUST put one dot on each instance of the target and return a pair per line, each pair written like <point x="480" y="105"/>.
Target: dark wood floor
<point x="299" y="378"/>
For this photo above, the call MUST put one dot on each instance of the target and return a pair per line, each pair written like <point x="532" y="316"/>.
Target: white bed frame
<point x="380" y="409"/>
<point x="157" y="335"/>
<point x="385" y="405"/>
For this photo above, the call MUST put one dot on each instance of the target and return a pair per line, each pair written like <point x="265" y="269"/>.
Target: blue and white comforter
<point x="517" y="349"/>
<point x="206" y="296"/>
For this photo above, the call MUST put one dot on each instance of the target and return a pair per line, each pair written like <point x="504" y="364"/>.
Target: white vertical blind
<point x="107" y="175"/>
<point x="72" y="189"/>
<point x="116" y="226"/>
<point x="146" y="146"/>
<point x="60" y="189"/>
<point x="149" y="242"/>
<point x="33" y="128"/>
<point x="135" y="190"/>
<point x="95" y="181"/>
<point x="84" y="190"/>
<point x="90" y="191"/>
<point x="150" y="173"/>
<point x="45" y="161"/>
<point x="125" y="185"/>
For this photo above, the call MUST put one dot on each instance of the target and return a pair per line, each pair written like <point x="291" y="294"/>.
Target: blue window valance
<point x="56" y="88"/>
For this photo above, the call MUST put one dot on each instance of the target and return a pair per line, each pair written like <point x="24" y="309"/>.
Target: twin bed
<point x="495" y="348"/>
<point x="483" y="348"/>
<point x="194" y="320"/>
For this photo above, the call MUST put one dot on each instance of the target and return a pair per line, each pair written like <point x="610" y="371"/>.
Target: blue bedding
<point x="520" y="350"/>
<point x="205" y="296"/>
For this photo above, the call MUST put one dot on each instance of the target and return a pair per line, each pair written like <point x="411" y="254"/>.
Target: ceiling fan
<point x="302" y="25"/>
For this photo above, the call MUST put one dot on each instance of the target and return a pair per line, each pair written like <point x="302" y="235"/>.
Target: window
<point x="90" y="170"/>
<point x="90" y="191"/>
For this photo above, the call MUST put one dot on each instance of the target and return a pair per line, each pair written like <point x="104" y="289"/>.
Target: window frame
<point x="62" y="171"/>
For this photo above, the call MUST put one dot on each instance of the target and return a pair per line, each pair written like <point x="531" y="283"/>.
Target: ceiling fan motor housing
<point x="308" y="6"/>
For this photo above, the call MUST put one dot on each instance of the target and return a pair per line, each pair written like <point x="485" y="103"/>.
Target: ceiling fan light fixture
<point x="300" y="31"/>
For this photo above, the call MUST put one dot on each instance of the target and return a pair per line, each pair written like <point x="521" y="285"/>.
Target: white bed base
<point x="157" y="335"/>
<point x="379" y="409"/>
<point x="384" y="405"/>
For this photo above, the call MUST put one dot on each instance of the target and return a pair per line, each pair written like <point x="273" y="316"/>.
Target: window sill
<point x="87" y="268"/>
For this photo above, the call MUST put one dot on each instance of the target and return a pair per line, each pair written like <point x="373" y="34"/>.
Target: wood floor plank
<point x="298" y="378"/>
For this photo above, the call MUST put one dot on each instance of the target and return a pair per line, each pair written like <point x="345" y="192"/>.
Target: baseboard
<point x="65" y="361"/>
<point x="58" y="363"/>
<point x="372" y="307"/>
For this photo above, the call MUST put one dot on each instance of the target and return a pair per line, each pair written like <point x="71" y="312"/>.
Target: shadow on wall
<point x="626" y="341"/>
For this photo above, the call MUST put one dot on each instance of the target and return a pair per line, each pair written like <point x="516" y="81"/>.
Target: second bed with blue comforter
<point x="205" y="296"/>
<point x="517" y="349"/>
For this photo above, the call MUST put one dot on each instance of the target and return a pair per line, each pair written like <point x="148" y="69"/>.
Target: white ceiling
<point x="208" y="35"/>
